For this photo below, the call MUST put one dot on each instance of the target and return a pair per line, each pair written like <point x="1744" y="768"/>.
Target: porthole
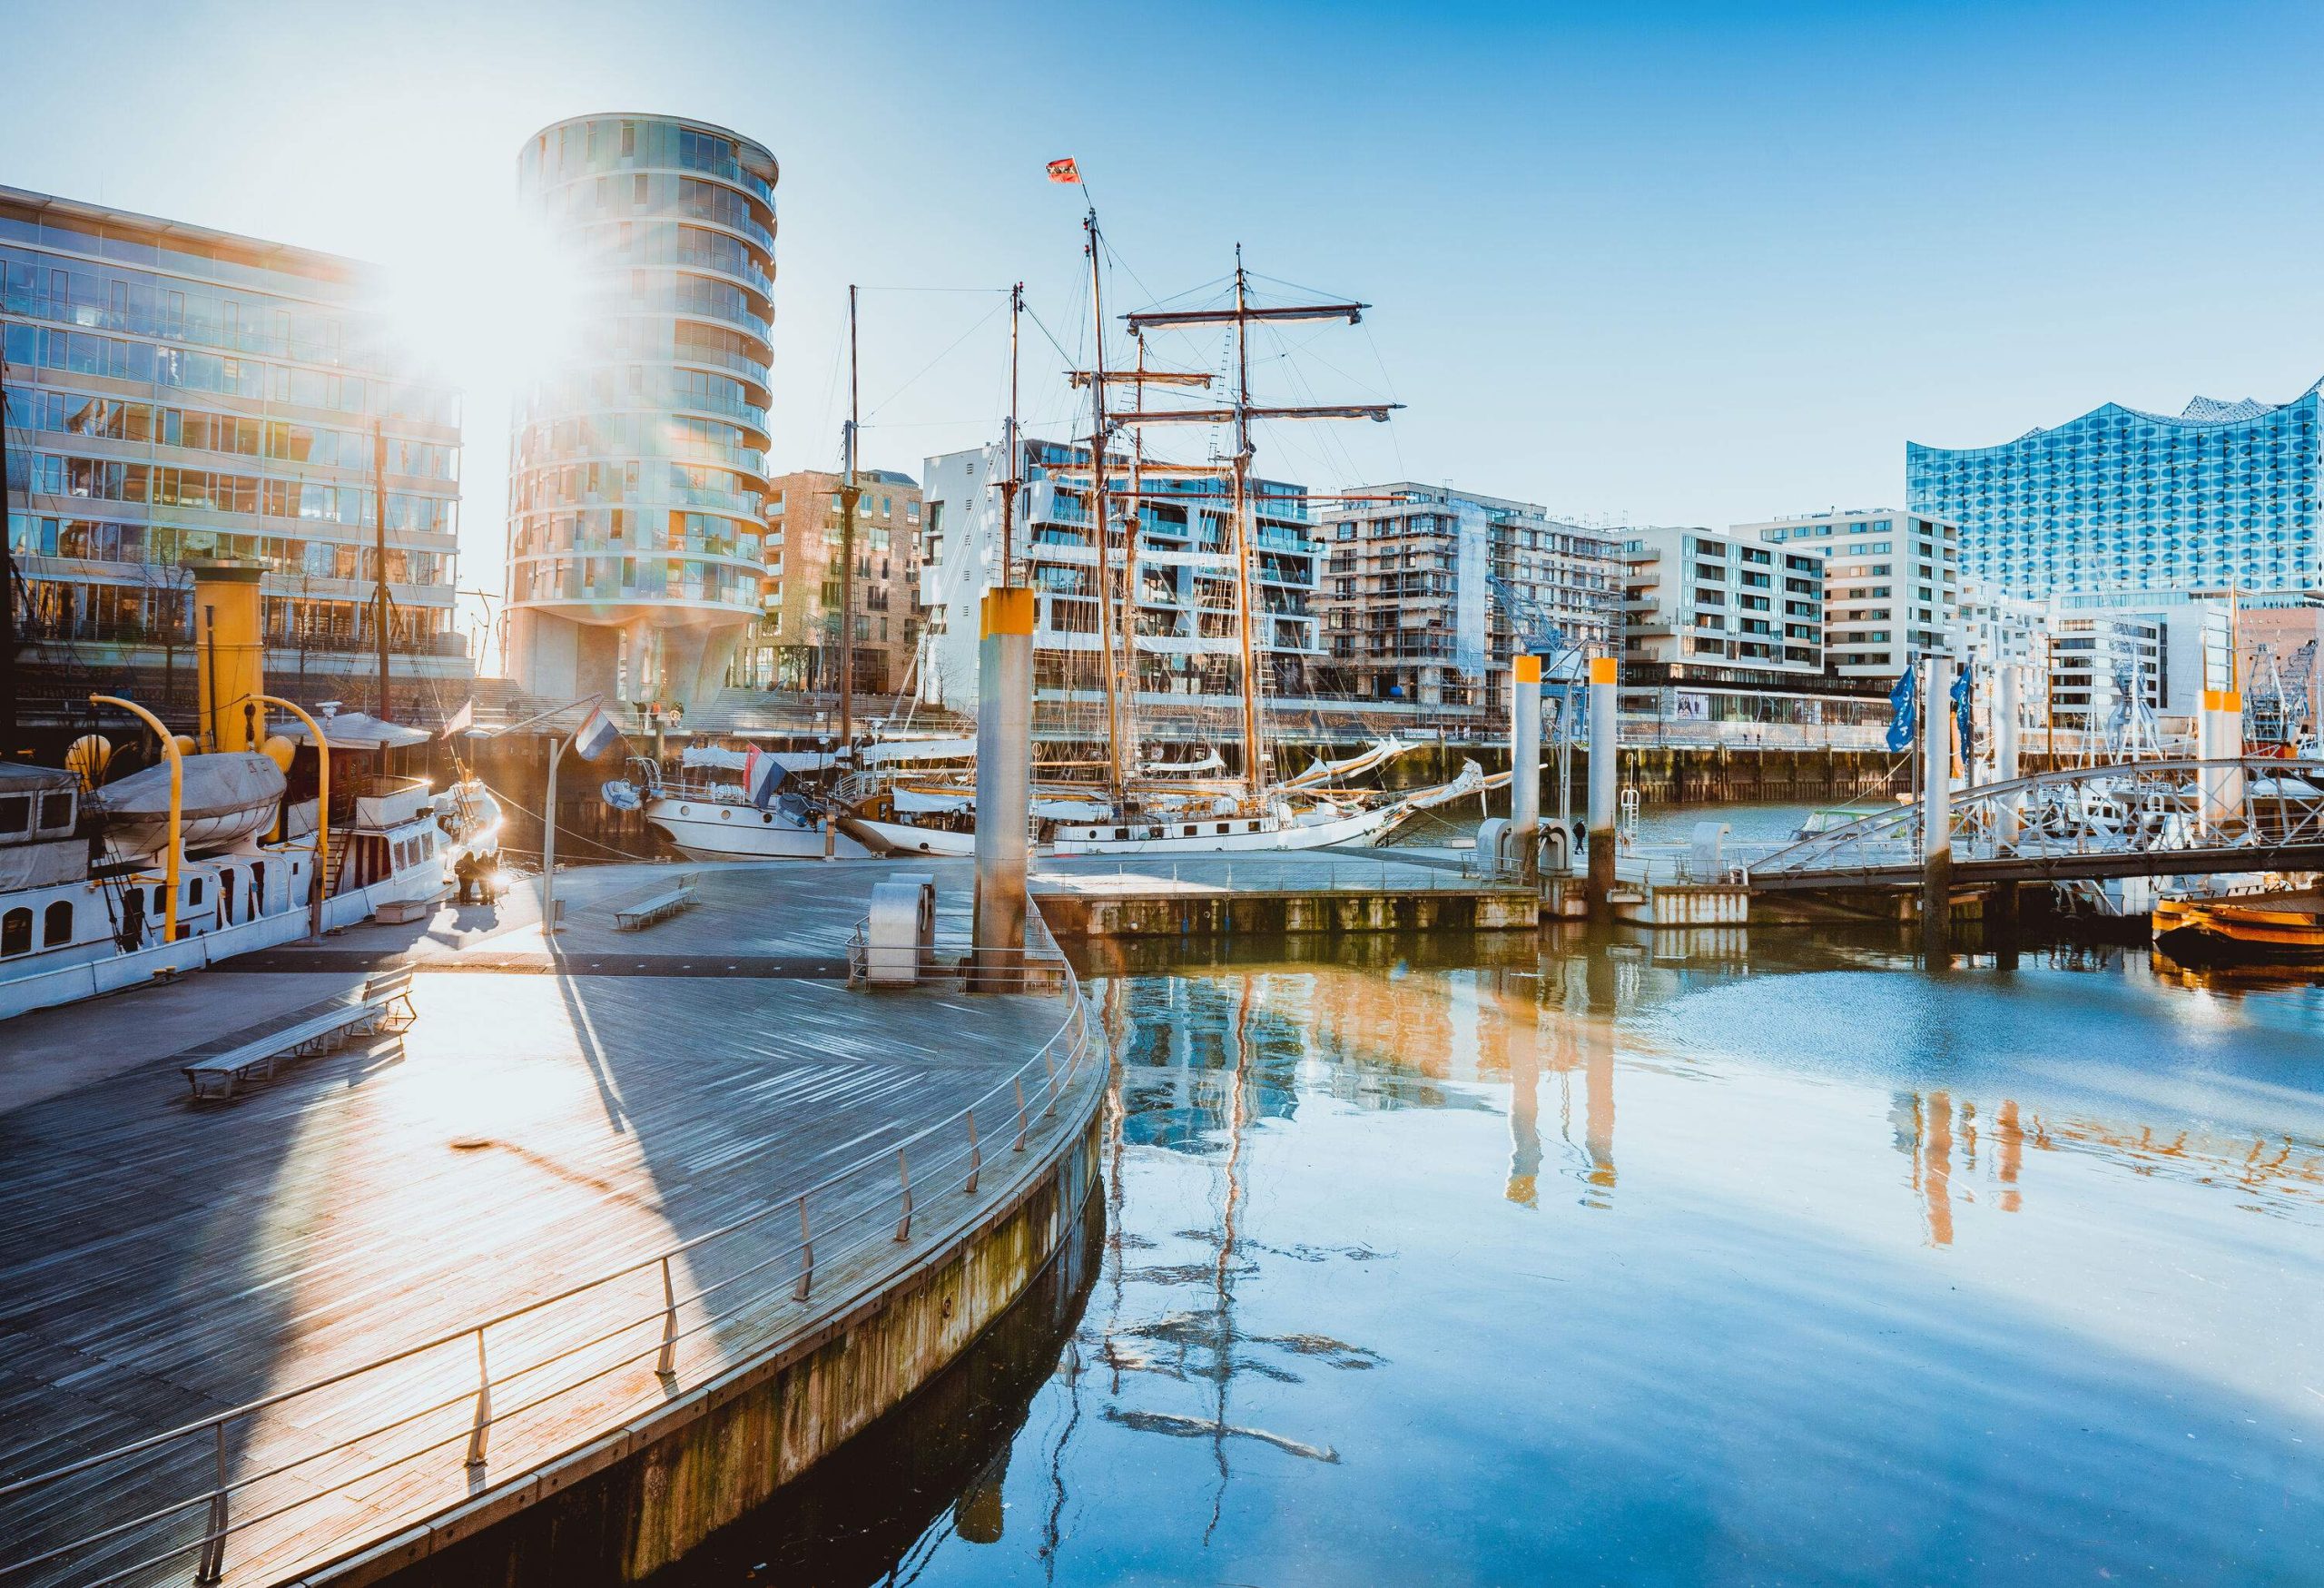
<point x="726" y="815"/>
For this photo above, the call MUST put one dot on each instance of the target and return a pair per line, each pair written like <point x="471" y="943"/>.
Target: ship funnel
<point x="230" y="646"/>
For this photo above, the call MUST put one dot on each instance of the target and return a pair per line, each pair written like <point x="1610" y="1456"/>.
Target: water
<point x="1668" y="1260"/>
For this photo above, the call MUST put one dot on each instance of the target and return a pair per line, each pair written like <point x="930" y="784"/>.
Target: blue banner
<point x="1965" y="715"/>
<point x="1904" y="719"/>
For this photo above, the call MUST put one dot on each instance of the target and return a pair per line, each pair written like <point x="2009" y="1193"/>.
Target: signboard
<point x="1688" y="705"/>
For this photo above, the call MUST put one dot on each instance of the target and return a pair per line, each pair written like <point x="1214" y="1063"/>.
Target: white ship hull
<point x="1228" y="836"/>
<point x="714" y="830"/>
<point x="903" y="838"/>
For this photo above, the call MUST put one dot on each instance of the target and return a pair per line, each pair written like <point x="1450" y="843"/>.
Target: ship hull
<point x="704" y="830"/>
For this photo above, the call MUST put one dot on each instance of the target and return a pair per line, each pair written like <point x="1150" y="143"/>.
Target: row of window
<point x="160" y="548"/>
<point x="117" y="418"/>
<point x="90" y="353"/>
<point x="58" y="475"/>
<point x="102" y="297"/>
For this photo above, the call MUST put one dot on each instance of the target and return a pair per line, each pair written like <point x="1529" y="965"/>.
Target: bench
<point x="638" y="911"/>
<point x="383" y="1003"/>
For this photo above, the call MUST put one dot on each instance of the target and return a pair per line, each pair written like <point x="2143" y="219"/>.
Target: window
<point x="16" y="932"/>
<point x="56" y="924"/>
<point x="15" y="814"/>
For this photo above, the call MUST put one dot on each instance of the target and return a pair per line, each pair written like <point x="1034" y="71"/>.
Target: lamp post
<point x="323" y="811"/>
<point x="177" y="804"/>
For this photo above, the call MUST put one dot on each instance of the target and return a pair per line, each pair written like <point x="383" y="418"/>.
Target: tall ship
<point x="1155" y="521"/>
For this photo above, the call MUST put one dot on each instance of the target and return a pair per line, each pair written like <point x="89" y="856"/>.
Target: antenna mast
<point x="1100" y="512"/>
<point x="1014" y="482"/>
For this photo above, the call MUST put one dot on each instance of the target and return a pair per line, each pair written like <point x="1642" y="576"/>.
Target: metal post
<point x="2218" y="737"/>
<point x="323" y="812"/>
<point x="549" y="840"/>
<point x="666" y="1363"/>
<point x="1020" y="1147"/>
<point x="1004" y="784"/>
<point x="1936" y="811"/>
<point x="903" y="1173"/>
<point x="806" y="1256"/>
<point x="1525" y="763"/>
<point x="483" y="1404"/>
<point x="2004" y="731"/>
<point x="212" y="1563"/>
<point x="1604" y="750"/>
<point x="976" y="1155"/>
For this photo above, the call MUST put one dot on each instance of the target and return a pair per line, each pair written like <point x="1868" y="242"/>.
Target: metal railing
<point x="177" y="1495"/>
<point x="2241" y="811"/>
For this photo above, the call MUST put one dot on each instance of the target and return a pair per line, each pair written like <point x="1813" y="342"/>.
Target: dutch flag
<point x="596" y="735"/>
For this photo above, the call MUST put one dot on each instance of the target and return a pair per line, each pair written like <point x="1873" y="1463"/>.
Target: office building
<point x="1412" y="599"/>
<point x="2145" y="504"/>
<point x="795" y="644"/>
<point x="1891" y="583"/>
<point x="1190" y="644"/>
<point x="637" y="465"/>
<point x="174" y="391"/>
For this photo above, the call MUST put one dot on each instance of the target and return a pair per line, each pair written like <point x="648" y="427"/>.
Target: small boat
<point x="2278" y="928"/>
<point x="1831" y="818"/>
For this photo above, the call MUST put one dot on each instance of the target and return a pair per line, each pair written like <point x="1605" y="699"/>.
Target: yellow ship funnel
<point x="230" y="646"/>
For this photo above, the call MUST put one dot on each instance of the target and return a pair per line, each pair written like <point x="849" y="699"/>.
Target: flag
<point x="1965" y="715"/>
<point x="1064" y="171"/>
<point x="1901" y="717"/>
<point x="762" y="775"/>
<point x="460" y="721"/>
<point x="597" y="734"/>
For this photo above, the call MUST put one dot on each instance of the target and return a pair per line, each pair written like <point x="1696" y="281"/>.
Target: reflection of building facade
<point x="174" y="391"/>
<point x="2119" y="500"/>
<point x="637" y="468"/>
<point x="796" y="643"/>
<point x="1190" y="641"/>
<point x="1407" y="611"/>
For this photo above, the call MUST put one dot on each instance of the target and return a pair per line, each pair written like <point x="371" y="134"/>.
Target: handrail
<point x="1058" y="1064"/>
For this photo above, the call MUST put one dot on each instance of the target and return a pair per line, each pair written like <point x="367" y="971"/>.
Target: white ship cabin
<point x="66" y="899"/>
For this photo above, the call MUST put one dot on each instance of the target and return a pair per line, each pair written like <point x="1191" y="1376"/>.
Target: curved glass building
<point x="2120" y="500"/>
<point x="637" y="460"/>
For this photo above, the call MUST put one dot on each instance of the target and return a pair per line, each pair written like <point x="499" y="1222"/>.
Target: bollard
<point x="1936" y="811"/>
<point x="1525" y="763"/>
<point x="1004" y="784"/>
<point x="1604" y="751"/>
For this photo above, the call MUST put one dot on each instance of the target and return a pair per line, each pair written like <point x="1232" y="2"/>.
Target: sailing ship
<point x="1144" y="808"/>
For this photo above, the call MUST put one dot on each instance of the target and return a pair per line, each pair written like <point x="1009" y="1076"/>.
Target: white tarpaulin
<point x="918" y="750"/>
<point x="913" y="802"/>
<point x="735" y="760"/>
<point x="354" y="730"/>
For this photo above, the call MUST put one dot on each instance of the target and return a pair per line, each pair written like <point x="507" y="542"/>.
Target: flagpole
<point x="548" y="837"/>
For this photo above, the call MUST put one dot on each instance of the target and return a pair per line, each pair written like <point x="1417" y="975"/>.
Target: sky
<point x="1649" y="262"/>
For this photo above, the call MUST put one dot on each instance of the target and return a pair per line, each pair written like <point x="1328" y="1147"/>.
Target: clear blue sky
<point x="1657" y="261"/>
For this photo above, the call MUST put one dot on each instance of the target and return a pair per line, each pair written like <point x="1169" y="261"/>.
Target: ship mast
<point x="1242" y="316"/>
<point x="850" y="494"/>
<point x="1101" y="513"/>
<point x="1013" y="481"/>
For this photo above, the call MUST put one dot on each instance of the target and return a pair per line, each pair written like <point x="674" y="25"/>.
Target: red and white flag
<point x="461" y="720"/>
<point x="1064" y="171"/>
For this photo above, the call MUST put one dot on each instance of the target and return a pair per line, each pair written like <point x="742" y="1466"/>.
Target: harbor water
<point x="1651" y="1259"/>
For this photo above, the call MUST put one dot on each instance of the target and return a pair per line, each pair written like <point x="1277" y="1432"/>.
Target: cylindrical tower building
<point x="637" y="458"/>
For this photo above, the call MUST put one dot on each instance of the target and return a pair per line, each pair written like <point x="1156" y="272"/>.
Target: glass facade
<point x="638" y="476"/>
<point x="2223" y="493"/>
<point x="173" y="392"/>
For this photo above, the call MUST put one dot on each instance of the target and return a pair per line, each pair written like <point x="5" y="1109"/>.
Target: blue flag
<point x="1964" y="715"/>
<point x="1904" y="719"/>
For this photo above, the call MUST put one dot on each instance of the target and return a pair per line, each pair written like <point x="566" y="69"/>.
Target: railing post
<point x="976" y="1155"/>
<point x="1020" y="1082"/>
<point x="483" y="1404"/>
<point x="806" y="1256"/>
<point x="213" y="1564"/>
<point x="1048" y="1063"/>
<point x="666" y="1364"/>
<point x="903" y="1173"/>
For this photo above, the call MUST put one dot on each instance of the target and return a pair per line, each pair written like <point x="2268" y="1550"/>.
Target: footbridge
<point x="2150" y="818"/>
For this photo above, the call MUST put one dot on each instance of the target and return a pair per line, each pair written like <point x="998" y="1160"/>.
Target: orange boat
<point x="2277" y="927"/>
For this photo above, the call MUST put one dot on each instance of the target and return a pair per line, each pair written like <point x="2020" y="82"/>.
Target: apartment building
<point x="1184" y="599"/>
<point x="795" y="644"/>
<point x="1891" y="583"/>
<point x="1418" y="586"/>
<point x="1699" y="604"/>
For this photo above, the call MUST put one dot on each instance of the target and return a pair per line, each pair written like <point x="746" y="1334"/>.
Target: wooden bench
<point x="663" y="902"/>
<point x="383" y="1003"/>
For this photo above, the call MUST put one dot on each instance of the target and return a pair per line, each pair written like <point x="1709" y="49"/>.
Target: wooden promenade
<point x="551" y="1116"/>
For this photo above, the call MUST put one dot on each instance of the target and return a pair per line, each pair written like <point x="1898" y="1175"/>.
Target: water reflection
<point x="1881" y="1274"/>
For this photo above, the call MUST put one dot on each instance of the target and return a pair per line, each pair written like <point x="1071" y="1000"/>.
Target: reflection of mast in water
<point x="1222" y="1354"/>
<point x="1521" y="1018"/>
<point x="1598" y="1072"/>
<point x="2011" y="1137"/>
<point x="1937" y="1167"/>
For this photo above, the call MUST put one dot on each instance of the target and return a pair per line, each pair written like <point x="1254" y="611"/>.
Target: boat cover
<point x="354" y="730"/>
<point x="224" y="797"/>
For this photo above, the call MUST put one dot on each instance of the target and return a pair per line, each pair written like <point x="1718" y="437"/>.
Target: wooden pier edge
<point x="637" y="1499"/>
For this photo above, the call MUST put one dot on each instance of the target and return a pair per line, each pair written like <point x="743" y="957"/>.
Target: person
<point x="464" y="869"/>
